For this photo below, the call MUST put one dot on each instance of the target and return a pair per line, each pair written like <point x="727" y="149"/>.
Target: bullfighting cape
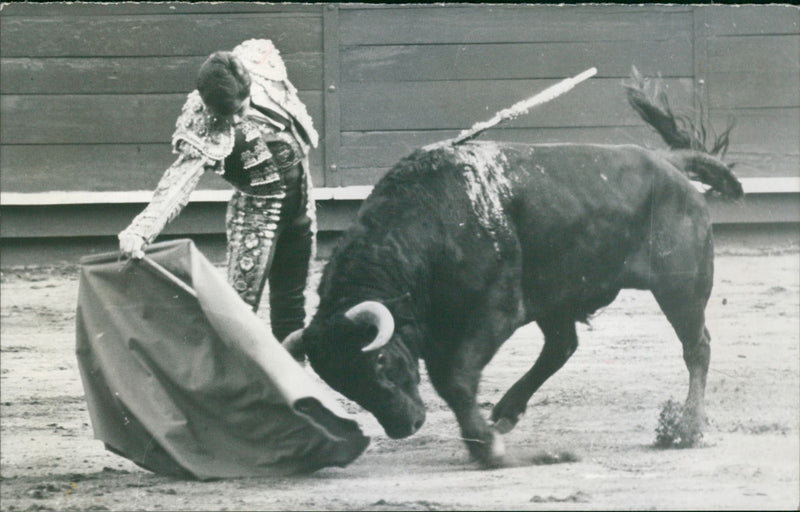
<point x="168" y="386"/>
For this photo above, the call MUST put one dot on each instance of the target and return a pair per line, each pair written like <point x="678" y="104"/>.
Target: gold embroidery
<point x="170" y="196"/>
<point x="196" y="128"/>
<point x="268" y="73"/>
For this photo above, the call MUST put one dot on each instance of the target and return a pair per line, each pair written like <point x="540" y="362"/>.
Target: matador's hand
<point x="131" y="245"/>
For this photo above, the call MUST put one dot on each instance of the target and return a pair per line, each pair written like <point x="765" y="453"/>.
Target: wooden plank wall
<point x="416" y="74"/>
<point x="752" y="74"/>
<point x="89" y="93"/>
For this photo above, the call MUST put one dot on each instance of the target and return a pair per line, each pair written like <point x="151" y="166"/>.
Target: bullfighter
<point x="246" y="123"/>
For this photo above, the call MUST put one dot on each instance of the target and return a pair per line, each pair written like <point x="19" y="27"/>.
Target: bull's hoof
<point x="691" y="431"/>
<point x="506" y="414"/>
<point x="490" y="454"/>
<point x="504" y="425"/>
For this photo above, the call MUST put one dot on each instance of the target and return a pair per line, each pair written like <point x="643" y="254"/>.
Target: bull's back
<point x="561" y="185"/>
<point x="582" y="213"/>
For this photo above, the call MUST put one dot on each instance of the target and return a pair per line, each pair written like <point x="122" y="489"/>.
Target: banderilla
<point x="524" y="106"/>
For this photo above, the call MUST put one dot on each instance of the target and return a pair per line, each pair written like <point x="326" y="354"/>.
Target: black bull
<point x="457" y="247"/>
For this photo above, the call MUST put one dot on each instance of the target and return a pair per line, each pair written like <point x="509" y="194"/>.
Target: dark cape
<point x="169" y="387"/>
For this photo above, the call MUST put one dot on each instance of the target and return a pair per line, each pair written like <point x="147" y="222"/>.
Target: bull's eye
<point x="380" y="362"/>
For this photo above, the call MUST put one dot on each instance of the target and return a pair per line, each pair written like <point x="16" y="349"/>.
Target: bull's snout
<point x="403" y="429"/>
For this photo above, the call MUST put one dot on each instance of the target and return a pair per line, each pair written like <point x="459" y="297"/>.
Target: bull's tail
<point x="707" y="169"/>
<point x="695" y="150"/>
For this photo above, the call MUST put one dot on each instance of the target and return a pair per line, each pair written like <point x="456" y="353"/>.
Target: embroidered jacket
<point x="203" y="142"/>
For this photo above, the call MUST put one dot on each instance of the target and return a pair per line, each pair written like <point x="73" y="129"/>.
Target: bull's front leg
<point x="560" y="342"/>
<point x="456" y="381"/>
<point x="456" y="371"/>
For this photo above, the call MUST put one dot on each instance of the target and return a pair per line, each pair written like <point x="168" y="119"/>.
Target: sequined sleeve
<point x="170" y="196"/>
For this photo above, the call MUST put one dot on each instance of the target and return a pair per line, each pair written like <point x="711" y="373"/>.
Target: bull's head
<point x="362" y="355"/>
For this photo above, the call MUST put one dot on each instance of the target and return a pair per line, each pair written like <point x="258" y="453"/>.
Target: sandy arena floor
<point x="602" y="407"/>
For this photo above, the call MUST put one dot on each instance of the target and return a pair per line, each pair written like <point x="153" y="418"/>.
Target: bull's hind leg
<point x="682" y="295"/>
<point x="687" y="316"/>
<point x="560" y="342"/>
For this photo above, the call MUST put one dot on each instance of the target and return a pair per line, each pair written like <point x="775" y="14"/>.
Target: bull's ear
<point x="294" y="344"/>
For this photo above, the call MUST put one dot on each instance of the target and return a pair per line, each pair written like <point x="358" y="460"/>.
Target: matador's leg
<point x="251" y="224"/>
<point x="288" y="276"/>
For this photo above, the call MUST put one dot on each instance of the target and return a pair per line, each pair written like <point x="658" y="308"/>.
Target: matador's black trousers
<point x="270" y="239"/>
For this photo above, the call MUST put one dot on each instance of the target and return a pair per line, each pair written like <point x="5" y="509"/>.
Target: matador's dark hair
<point x="223" y="82"/>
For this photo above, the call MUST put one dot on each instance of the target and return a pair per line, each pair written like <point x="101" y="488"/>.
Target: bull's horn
<point x="376" y="314"/>
<point x="294" y="341"/>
